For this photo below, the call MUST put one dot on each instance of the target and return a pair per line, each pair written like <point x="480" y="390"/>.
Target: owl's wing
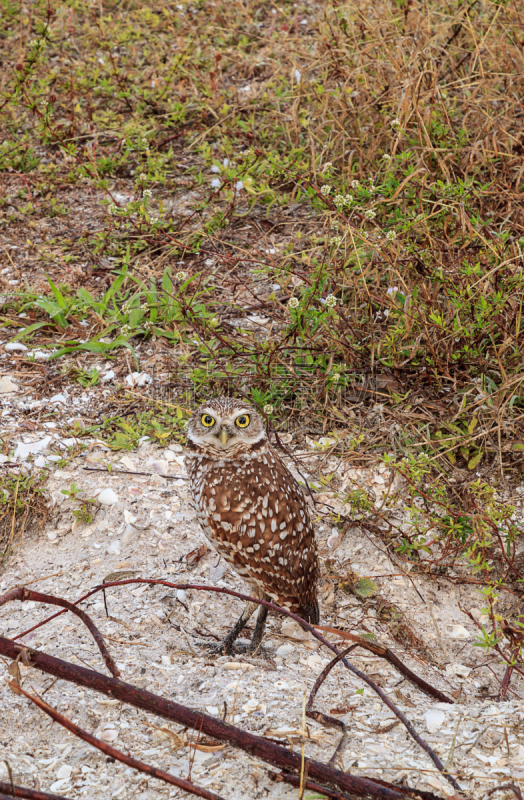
<point x="260" y="516"/>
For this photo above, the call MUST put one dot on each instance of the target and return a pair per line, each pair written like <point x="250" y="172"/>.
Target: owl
<point x="253" y="512"/>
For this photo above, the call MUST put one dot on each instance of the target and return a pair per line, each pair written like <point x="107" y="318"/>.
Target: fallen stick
<point x="6" y="793"/>
<point x="112" y="752"/>
<point x="314" y="632"/>
<point x="384" y="652"/>
<point x="24" y="594"/>
<point x="277" y="609"/>
<point x="256" y="746"/>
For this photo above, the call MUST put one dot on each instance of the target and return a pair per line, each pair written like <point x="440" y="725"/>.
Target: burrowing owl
<point x="252" y="510"/>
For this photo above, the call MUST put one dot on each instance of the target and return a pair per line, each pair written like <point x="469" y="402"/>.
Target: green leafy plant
<point x="84" y="513"/>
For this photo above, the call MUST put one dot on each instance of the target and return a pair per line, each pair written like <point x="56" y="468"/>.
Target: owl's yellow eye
<point x="242" y="421"/>
<point x="207" y="421"/>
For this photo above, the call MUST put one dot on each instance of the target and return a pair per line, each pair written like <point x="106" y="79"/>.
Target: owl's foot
<point x="256" y="649"/>
<point x="223" y="648"/>
<point x="227" y="645"/>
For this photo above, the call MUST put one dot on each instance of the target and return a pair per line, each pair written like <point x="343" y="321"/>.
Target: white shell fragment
<point x="7" y="385"/>
<point x="458" y="632"/>
<point x="434" y="719"/>
<point x="160" y="466"/>
<point x="285" y="649"/>
<point x="107" y="497"/>
<point x="138" y="379"/>
<point x="458" y="670"/>
<point x="24" y="450"/>
<point x="15" y="346"/>
<point x="59" y="785"/>
<point x="64" y="772"/>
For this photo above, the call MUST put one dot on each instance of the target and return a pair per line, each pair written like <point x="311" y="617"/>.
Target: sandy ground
<point x="147" y="525"/>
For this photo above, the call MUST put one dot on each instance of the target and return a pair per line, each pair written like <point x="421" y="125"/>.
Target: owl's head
<point x="225" y="426"/>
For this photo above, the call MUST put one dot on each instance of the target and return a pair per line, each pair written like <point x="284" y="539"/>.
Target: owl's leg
<point x="259" y="628"/>
<point x="226" y="645"/>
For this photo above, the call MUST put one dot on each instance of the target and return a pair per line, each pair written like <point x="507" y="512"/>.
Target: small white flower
<point x="296" y="281"/>
<point x="225" y="162"/>
<point x="418" y="218"/>
<point x="395" y="124"/>
<point x="348" y="199"/>
<point x="335" y="377"/>
<point x="148" y="326"/>
<point x="239" y="185"/>
<point x="216" y="183"/>
<point x="144" y="306"/>
<point x="325" y="190"/>
<point x="143" y="176"/>
<point x="386" y="158"/>
<point x="355" y="184"/>
<point x="331" y="301"/>
<point x="215" y="168"/>
<point x="125" y="330"/>
<point x="391" y="290"/>
<point x="268" y="409"/>
<point x="336" y="240"/>
<point x="327" y="166"/>
<point x="338" y="200"/>
<point x="293" y="302"/>
<point x="111" y="209"/>
<point x="370" y="214"/>
<point x="154" y="220"/>
<point x="181" y="276"/>
<point x="145" y="143"/>
<point x="390" y="235"/>
<point x="148" y="193"/>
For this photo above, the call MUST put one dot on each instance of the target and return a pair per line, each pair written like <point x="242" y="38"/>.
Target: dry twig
<point x="23" y="594"/>
<point x="256" y="746"/>
<point x="111" y="751"/>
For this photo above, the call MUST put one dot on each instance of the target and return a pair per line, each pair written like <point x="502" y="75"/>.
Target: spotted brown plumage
<point x="252" y="510"/>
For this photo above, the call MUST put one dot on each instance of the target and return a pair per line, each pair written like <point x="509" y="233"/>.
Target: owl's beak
<point x="224" y="435"/>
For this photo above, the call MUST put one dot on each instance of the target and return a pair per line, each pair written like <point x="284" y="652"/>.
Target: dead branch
<point x="314" y="632"/>
<point x="277" y="609"/>
<point x="54" y="616"/>
<point x="23" y="594"/>
<point x="512" y="787"/>
<point x="388" y="655"/>
<point x="141" y="766"/>
<point x="256" y="746"/>
<point x="319" y="716"/>
<point x="6" y="793"/>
